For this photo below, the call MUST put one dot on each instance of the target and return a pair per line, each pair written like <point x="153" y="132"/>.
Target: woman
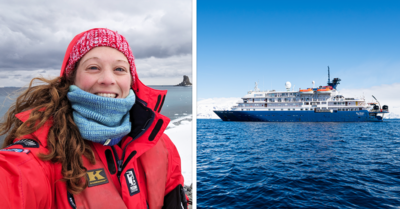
<point x="91" y="138"/>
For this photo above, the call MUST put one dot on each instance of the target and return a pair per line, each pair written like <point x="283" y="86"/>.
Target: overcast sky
<point x="35" y="35"/>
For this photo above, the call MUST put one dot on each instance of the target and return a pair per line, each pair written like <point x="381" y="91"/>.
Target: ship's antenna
<point x="329" y="76"/>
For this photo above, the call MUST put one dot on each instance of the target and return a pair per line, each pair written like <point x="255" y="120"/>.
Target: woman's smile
<point x="107" y="95"/>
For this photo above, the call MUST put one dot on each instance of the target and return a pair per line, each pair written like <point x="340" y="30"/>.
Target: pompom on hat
<point x="85" y="41"/>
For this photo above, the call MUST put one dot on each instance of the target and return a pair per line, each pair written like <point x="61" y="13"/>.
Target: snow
<point x="180" y="133"/>
<point x="205" y="107"/>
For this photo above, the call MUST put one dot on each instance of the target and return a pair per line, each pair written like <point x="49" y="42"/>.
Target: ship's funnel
<point x="335" y="81"/>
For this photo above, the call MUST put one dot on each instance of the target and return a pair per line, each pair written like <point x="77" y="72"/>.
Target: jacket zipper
<point x="121" y="164"/>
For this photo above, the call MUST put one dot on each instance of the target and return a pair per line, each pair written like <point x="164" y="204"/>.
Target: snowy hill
<point x="205" y="107"/>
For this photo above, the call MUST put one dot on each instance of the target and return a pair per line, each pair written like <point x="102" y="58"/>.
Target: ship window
<point x="301" y="109"/>
<point x="306" y="108"/>
<point x="282" y="109"/>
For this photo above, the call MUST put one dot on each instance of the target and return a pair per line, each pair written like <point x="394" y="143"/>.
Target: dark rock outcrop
<point x="185" y="82"/>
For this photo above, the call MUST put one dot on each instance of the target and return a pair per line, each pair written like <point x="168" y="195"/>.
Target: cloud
<point x="23" y="77"/>
<point x="175" y="66"/>
<point x="35" y="34"/>
<point x="386" y="95"/>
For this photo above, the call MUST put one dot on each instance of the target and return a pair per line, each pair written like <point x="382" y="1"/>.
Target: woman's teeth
<point x="106" y="95"/>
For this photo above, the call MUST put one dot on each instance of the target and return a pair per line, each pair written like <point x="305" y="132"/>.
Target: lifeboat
<point x="306" y="91"/>
<point x="325" y="90"/>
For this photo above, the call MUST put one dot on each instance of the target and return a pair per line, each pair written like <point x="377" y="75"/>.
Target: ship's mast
<point x="329" y="76"/>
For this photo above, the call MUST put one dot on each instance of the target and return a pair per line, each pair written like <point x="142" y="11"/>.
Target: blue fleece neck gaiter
<point x="101" y="119"/>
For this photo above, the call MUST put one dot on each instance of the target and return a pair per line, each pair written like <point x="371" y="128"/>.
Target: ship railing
<point x="346" y="99"/>
<point x="297" y="106"/>
<point x="379" y="111"/>
<point x="323" y="110"/>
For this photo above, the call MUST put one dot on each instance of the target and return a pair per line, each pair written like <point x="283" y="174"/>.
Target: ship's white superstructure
<point x="300" y="101"/>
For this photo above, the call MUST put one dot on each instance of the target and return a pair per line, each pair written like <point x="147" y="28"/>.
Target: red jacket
<point x="149" y="176"/>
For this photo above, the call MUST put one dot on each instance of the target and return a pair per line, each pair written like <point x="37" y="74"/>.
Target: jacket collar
<point x="151" y="98"/>
<point x="41" y="133"/>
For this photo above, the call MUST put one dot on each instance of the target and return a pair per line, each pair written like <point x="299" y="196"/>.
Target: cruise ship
<point x="320" y="104"/>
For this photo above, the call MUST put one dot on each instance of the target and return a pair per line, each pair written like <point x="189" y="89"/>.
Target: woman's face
<point x="104" y="71"/>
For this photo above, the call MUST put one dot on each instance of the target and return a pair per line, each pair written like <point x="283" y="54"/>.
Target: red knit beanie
<point x="85" y="41"/>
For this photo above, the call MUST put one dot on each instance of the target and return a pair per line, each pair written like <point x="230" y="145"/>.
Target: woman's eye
<point x="93" y="68"/>
<point x="120" y="69"/>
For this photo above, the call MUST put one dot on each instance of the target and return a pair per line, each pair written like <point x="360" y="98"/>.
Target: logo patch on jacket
<point x="131" y="182"/>
<point x="26" y="143"/>
<point x="26" y="151"/>
<point x="96" y="177"/>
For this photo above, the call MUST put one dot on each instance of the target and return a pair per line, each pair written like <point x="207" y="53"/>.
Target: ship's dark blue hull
<point x="299" y="116"/>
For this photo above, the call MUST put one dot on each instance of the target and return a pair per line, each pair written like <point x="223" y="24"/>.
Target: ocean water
<point x="178" y="102"/>
<point x="298" y="165"/>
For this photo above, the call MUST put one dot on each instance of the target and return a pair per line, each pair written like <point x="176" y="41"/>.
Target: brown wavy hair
<point x="64" y="141"/>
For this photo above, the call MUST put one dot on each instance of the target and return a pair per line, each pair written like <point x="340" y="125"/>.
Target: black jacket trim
<point x="175" y="199"/>
<point x="158" y="102"/>
<point x="71" y="200"/>
<point x="27" y="143"/>
<point x="110" y="162"/>
<point x="162" y="103"/>
<point x="156" y="129"/>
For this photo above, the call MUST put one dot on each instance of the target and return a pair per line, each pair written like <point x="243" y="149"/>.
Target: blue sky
<point x="240" y="42"/>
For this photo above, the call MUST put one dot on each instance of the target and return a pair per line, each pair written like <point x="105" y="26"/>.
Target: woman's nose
<point x="107" y="77"/>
